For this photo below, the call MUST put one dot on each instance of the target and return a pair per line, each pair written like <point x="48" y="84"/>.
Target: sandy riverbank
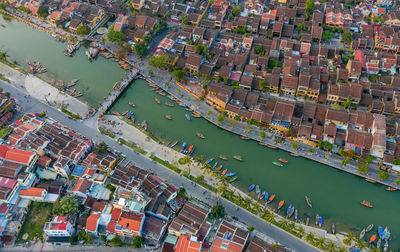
<point x="43" y="91"/>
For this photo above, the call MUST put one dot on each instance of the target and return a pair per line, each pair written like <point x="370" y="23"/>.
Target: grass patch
<point x="201" y="182"/>
<point x="165" y="163"/>
<point x="133" y="147"/>
<point x="4" y="78"/>
<point x="66" y="111"/>
<point x="35" y="219"/>
<point x="106" y="132"/>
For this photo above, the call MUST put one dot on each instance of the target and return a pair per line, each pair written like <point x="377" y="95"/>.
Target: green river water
<point x="335" y="195"/>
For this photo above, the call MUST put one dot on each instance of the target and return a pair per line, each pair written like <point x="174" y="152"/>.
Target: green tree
<point x="301" y="26"/>
<point x="241" y="29"/>
<point x="259" y="50"/>
<point x="236" y="11"/>
<point x="65" y="205"/>
<point x="310" y="6"/>
<point x="262" y="84"/>
<point x="217" y="211"/>
<point x="178" y="74"/>
<point x="345" y="162"/>
<point x="140" y="49"/>
<point x="137" y="242"/>
<point x="347" y="36"/>
<point x="295" y="145"/>
<point x="115" y="36"/>
<point x="150" y="72"/>
<point x="159" y="61"/>
<point x="348" y="239"/>
<point x="200" y="49"/>
<point x="220" y="119"/>
<point x="82" y="29"/>
<point x="181" y="192"/>
<point x="43" y="11"/>
<point x="347" y="103"/>
<point x="86" y="237"/>
<point x="363" y="168"/>
<point x="250" y="229"/>
<point x="383" y="175"/>
<point x="310" y="150"/>
<point x="327" y="35"/>
<point x="397" y="182"/>
<point x="3" y="5"/>
<point x="262" y="135"/>
<point x="101" y="148"/>
<point x="116" y="241"/>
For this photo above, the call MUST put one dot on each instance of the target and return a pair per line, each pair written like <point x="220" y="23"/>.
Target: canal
<point x="23" y="42"/>
<point x="335" y="195"/>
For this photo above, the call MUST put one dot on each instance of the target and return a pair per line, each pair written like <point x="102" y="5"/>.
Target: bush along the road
<point x="66" y="111"/>
<point x="130" y="145"/>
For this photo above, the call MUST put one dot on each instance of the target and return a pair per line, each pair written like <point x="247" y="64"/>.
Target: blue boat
<point x="266" y="196"/>
<point x="251" y="188"/>
<point x="129" y="115"/>
<point x="386" y="234"/>
<point x="289" y="209"/>
<point x="380" y="232"/>
<point x="185" y="151"/>
<point x="187" y="117"/>
<point x="215" y="165"/>
<point x="210" y="160"/>
<point x="230" y="174"/>
<point x="184" y="145"/>
<point x="320" y="221"/>
<point x="258" y="191"/>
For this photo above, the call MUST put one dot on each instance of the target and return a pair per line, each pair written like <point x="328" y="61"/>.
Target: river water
<point x="335" y="195"/>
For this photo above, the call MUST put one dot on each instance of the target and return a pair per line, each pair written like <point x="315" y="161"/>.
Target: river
<point x="335" y="195"/>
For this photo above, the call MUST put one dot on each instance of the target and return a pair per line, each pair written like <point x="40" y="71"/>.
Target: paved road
<point x="32" y="105"/>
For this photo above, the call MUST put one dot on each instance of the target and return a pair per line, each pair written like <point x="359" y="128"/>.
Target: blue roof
<point x="78" y="170"/>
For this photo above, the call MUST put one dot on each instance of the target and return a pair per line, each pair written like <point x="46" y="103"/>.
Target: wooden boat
<point x="157" y="100"/>
<point x="266" y="196"/>
<point x="251" y="188"/>
<point x="258" y="190"/>
<point x="372" y="239"/>
<point x="168" y="117"/>
<point x="294" y="154"/>
<point x="262" y="143"/>
<point x="378" y="244"/>
<point x="289" y="209"/>
<point x="316" y="219"/>
<point x="281" y="203"/>
<point x="271" y="146"/>
<point x="116" y="113"/>
<point x="261" y="196"/>
<point x="215" y="165"/>
<point x="271" y="198"/>
<point x="239" y="158"/>
<point x="144" y="125"/>
<point x="308" y="202"/>
<point x="187" y="117"/>
<point x="362" y="234"/>
<point x="233" y="179"/>
<point x="369" y="228"/>
<point x="370" y="180"/>
<point x="223" y="157"/>
<point x="219" y="167"/>
<point x="224" y="172"/>
<point x="210" y="160"/>
<point x="366" y="204"/>
<point x="386" y="246"/>
<point x="231" y="174"/>
<point x="333" y="228"/>
<point x="200" y="135"/>
<point x="169" y="104"/>
<point x="380" y="232"/>
<point x="283" y="160"/>
<point x="277" y="164"/>
<point x="131" y="104"/>
<point x="191" y="149"/>
<point x="173" y="144"/>
<point x="391" y="189"/>
<point x="195" y="114"/>
<point x="320" y="220"/>
<point x="296" y="214"/>
<point x="125" y="113"/>
<point x="245" y="138"/>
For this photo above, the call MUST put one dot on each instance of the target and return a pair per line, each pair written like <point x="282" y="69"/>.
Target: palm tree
<point x="330" y="246"/>
<point x="310" y="238"/>
<point x="361" y="244"/>
<point x="348" y="239"/>
<point x="3" y="56"/>
<point x="300" y="230"/>
<point x="283" y="222"/>
<point x="320" y="243"/>
<point x="199" y="160"/>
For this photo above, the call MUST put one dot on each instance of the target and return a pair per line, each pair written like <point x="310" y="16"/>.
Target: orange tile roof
<point x="185" y="244"/>
<point x="115" y="214"/>
<point x="32" y="191"/>
<point x="91" y="222"/>
<point x="131" y="221"/>
<point x="19" y="156"/>
<point x="230" y="246"/>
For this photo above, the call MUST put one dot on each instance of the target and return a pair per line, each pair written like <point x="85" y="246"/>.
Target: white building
<point x="59" y="227"/>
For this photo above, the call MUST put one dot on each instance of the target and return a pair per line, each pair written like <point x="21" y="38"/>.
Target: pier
<point x="119" y="87"/>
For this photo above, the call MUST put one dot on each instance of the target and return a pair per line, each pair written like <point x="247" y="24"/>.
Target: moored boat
<point x="233" y="179"/>
<point x="372" y="239"/>
<point x="245" y="138"/>
<point x="366" y="204"/>
<point x="380" y="232"/>
<point x="131" y="104"/>
<point x="144" y="125"/>
<point x="283" y="160"/>
<point x="200" y="135"/>
<point x="173" y="144"/>
<point x="239" y="158"/>
<point x="308" y="202"/>
<point x="370" y="180"/>
<point x="316" y="219"/>
<point x="184" y="145"/>
<point x="210" y="160"/>
<point x="224" y="172"/>
<point x="271" y="146"/>
<point x="386" y="246"/>
<point x="281" y="203"/>
<point x="294" y="154"/>
<point x="157" y="100"/>
<point x="230" y="174"/>
<point x="251" y="188"/>
<point x="168" y="117"/>
<point x="369" y="228"/>
<point x="289" y="209"/>
<point x="195" y="114"/>
<point x="258" y="191"/>
<point x="223" y="157"/>
<point x="378" y="243"/>
<point x="292" y="211"/>
<point x="187" y="117"/>
<point x="266" y="196"/>
<point x="362" y="234"/>
<point x="296" y="213"/>
<point x="271" y="198"/>
<point x="277" y="164"/>
<point x="333" y="228"/>
<point x="320" y="220"/>
<point x="215" y="165"/>
<point x="219" y="167"/>
<point x="191" y="149"/>
<point x="391" y="189"/>
<point x="125" y="113"/>
<point x="261" y="196"/>
<point x="116" y="113"/>
<point x="169" y="104"/>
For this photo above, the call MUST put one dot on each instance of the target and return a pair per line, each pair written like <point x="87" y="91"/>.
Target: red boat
<point x="245" y="138"/>
<point x="271" y="198"/>
<point x="283" y="160"/>
<point x="366" y="204"/>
